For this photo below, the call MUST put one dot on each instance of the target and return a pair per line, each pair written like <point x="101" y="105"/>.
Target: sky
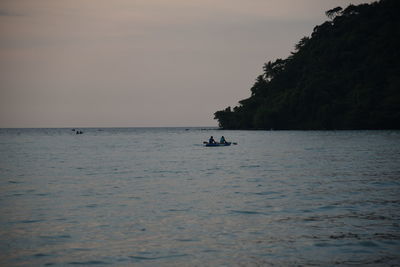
<point x="140" y="63"/>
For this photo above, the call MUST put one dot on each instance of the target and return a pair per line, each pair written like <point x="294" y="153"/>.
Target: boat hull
<point x="217" y="144"/>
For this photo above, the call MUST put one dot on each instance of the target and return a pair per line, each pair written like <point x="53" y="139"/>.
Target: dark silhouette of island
<point x="345" y="76"/>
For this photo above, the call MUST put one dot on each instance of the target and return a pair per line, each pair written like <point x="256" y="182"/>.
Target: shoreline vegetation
<point x="345" y="76"/>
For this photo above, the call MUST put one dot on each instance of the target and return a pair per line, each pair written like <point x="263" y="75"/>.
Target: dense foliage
<point x="345" y="76"/>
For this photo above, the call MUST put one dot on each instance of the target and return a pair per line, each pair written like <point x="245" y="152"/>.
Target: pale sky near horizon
<point x="138" y="63"/>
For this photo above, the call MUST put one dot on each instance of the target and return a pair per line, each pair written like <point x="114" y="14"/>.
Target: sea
<point x="159" y="197"/>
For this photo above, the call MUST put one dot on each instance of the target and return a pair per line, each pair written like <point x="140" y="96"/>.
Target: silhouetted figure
<point x="222" y="140"/>
<point x="211" y="140"/>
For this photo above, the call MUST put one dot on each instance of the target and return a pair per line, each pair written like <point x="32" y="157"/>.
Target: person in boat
<point x="211" y="140"/>
<point x="222" y="140"/>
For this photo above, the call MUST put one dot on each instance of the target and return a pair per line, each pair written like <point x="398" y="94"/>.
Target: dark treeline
<point x="345" y="76"/>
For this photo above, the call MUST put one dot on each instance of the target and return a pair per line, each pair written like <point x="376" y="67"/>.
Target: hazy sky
<point x="104" y="63"/>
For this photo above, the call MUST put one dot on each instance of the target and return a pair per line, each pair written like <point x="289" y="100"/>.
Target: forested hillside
<point x="346" y="75"/>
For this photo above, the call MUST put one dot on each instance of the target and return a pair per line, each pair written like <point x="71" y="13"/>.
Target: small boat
<point x="218" y="144"/>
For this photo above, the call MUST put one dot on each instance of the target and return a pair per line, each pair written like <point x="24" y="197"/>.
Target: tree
<point x="345" y="76"/>
<point x="259" y="86"/>
<point x="332" y="13"/>
<point x="303" y="41"/>
<point x="272" y="69"/>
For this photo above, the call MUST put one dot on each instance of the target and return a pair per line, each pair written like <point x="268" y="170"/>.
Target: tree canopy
<point x="345" y="76"/>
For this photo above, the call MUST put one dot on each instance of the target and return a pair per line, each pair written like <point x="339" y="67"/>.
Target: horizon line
<point x="94" y="127"/>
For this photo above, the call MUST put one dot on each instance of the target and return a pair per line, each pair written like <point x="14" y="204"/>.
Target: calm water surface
<point x="157" y="197"/>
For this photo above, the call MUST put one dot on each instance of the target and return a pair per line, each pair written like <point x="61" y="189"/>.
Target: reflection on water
<point x="158" y="197"/>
